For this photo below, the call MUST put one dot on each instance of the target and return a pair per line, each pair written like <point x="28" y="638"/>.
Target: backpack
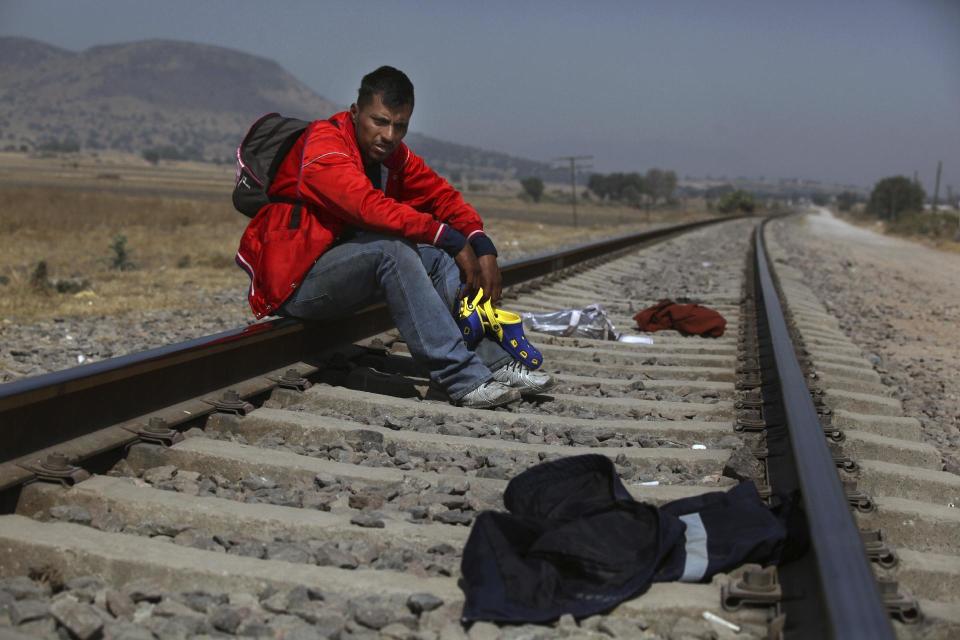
<point x="258" y="158"/>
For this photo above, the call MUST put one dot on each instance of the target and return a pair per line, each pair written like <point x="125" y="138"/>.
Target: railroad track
<point x="286" y="482"/>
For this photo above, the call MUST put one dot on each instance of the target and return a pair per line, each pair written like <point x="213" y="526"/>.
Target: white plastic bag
<point x="589" y="322"/>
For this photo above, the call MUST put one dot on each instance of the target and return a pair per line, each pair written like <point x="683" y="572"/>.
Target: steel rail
<point x="46" y="411"/>
<point x="847" y="587"/>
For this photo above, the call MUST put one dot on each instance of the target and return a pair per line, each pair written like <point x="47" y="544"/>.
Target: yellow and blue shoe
<point x="506" y="328"/>
<point x="469" y="320"/>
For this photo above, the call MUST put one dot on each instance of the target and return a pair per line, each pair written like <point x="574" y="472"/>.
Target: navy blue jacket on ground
<point x="575" y="541"/>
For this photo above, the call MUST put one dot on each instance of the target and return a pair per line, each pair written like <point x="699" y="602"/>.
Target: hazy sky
<point x="844" y="90"/>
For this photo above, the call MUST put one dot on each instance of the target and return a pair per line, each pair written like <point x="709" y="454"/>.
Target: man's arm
<point x="330" y="179"/>
<point x="426" y="191"/>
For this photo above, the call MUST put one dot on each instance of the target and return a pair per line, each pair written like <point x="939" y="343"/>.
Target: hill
<point x="193" y="99"/>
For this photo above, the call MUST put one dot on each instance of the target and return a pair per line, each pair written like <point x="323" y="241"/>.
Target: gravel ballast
<point x="900" y="303"/>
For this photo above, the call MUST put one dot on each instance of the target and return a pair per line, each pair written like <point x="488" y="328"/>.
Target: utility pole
<point x="936" y="188"/>
<point x="573" y="179"/>
<point x="952" y="199"/>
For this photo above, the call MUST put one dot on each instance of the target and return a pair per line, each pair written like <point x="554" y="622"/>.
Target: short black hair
<point x="393" y="85"/>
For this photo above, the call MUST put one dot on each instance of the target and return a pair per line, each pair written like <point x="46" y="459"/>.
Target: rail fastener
<point x="156" y="431"/>
<point x="56" y="467"/>
<point x="829" y="431"/>
<point x="858" y="499"/>
<point x="877" y="548"/>
<point x="752" y="404"/>
<point x="231" y="402"/>
<point x="751" y="585"/>
<point x="843" y="461"/>
<point x="750" y="422"/>
<point x="900" y="604"/>
<point x="760" y="451"/>
<point x="292" y="379"/>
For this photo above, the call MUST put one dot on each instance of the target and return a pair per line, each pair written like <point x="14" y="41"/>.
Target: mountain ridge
<point x="173" y="94"/>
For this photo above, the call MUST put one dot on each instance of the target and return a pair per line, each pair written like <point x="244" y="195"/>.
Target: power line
<point x="573" y="179"/>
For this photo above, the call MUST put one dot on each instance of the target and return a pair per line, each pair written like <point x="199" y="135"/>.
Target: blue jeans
<point x="419" y="284"/>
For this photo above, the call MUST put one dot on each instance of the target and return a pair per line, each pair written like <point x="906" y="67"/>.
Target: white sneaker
<point x="489" y="394"/>
<point x="518" y="376"/>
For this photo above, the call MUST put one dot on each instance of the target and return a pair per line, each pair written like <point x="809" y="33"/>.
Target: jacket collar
<point x="344" y="123"/>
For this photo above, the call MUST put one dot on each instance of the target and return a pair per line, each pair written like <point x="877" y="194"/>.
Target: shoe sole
<point x="507" y="399"/>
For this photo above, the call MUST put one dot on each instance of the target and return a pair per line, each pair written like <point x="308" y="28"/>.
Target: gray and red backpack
<point x="264" y="147"/>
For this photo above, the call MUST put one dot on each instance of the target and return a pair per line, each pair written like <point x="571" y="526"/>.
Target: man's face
<point x="379" y="128"/>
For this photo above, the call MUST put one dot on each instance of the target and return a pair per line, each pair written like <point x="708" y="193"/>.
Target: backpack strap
<point x="298" y="201"/>
<point x="295" y="216"/>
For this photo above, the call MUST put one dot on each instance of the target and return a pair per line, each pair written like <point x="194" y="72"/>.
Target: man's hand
<point x="470" y="274"/>
<point x="490" y="278"/>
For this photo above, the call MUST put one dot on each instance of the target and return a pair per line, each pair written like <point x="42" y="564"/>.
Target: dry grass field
<point x="181" y="233"/>
<point x="936" y="230"/>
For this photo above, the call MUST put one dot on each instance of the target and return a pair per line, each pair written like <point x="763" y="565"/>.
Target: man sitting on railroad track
<point x="379" y="223"/>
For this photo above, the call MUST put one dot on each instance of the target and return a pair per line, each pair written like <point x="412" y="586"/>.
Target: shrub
<point x="153" y="155"/>
<point x="894" y="195"/>
<point x="846" y="200"/>
<point x="533" y="187"/>
<point x="68" y="145"/>
<point x="738" y="200"/>
<point x="39" y="278"/>
<point x="919" y="223"/>
<point x="120" y="259"/>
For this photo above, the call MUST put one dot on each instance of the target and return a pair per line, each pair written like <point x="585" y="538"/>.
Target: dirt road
<point x="899" y="301"/>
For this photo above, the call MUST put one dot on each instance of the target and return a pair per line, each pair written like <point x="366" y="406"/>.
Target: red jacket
<point x="324" y="170"/>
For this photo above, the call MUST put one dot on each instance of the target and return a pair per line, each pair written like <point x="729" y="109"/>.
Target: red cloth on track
<point x="689" y="319"/>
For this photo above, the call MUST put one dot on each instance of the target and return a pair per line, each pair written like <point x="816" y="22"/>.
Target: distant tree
<point x="612" y="185"/>
<point x="719" y="191"/>
<point x="67" y="145"/>
<point x="533" y="187"/>
<point x="660" y="184"/>
<point x="600" y="185"/>
<point x="734" y="201"/>
<point x="172" y="152"/>
<point x="632" y="196"/>
<point x="846" y="200"/>
<point x="894" y="195"/>
<point x="820" y="199"/>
